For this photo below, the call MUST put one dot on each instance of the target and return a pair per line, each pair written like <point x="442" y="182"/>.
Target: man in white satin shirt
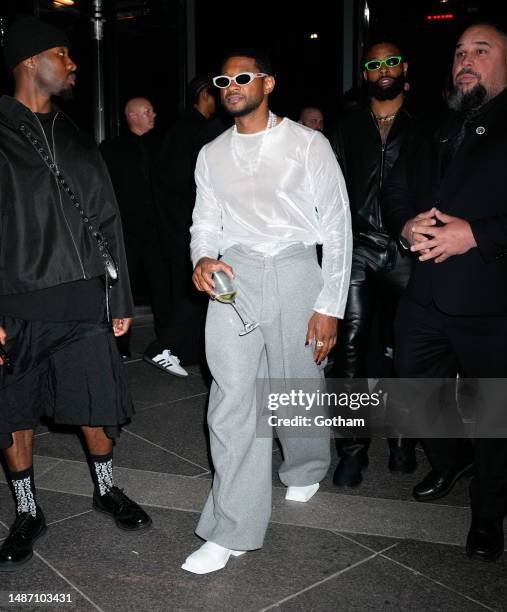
<point x="268" y="191"/>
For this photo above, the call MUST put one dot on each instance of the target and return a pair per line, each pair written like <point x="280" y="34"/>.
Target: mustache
<point x="468" y="71"/>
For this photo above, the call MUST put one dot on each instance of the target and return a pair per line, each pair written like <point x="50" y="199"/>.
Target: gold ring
<point x="319" y="343"/>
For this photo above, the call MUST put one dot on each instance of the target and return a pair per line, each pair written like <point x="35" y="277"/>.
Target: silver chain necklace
<point x="252" y="166"/>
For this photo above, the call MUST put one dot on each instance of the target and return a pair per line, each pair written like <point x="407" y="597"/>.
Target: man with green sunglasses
<point x="389" y="62"/>
<point x="367" y="143"/>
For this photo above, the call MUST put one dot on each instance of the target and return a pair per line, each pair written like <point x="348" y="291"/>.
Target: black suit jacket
<point x="471" y="184"/>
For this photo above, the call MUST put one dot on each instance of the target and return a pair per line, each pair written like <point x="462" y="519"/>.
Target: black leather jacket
<point x="365" y="163"/>
<point x="43" y="241"/>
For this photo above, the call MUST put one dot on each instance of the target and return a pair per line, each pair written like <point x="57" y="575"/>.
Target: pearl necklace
<point x="252" y="167"/>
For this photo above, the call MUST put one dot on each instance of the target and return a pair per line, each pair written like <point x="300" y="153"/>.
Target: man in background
<point x="367" y="143"/>
<point x="312" y="117"/>
<point x="175" y="198"/>
<point x="129" y="159"/>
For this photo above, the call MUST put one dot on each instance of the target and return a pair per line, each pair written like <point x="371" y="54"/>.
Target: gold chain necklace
<point x="385" y="117"/>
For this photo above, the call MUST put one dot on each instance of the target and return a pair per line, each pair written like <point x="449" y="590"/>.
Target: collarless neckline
<point x="235" y="131"/>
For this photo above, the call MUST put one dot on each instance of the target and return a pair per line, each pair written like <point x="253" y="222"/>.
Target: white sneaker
<point x="168" y="362"/>
<point x="209" y="558"/>
<point x="301" y="494"/>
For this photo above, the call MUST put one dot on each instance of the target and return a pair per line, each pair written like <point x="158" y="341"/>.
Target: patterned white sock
<point x="102" y="472"/>
<point x="24" y="491"/>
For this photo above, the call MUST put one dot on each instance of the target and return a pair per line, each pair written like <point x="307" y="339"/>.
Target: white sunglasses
<point x="243" y="78"/>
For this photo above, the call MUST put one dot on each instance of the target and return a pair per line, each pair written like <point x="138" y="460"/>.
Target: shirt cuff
<point x="200" y="254"/>
<point x="327" y="312"/>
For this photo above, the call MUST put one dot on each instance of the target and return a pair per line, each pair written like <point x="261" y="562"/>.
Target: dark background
<point x="308" y="71"/>
<point x="144" y="46"/>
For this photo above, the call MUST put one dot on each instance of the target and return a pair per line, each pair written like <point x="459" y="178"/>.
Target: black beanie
<point x="28" y="37"/>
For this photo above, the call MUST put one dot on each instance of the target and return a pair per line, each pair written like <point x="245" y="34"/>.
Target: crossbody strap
<point x="53" y="168"/>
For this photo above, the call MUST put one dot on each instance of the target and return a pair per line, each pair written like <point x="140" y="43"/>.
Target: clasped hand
<point x="438" y="242"/>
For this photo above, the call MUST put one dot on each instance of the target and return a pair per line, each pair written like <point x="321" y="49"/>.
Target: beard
<point x="469" y="101"/>
<point x="246" y="110"/>
<point x="66" y="90"/>
<point x="66" y="94"/>
<point x="374" y="90"/>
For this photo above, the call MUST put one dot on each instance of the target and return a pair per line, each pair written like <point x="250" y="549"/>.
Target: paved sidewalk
<point x="370" y="548"/>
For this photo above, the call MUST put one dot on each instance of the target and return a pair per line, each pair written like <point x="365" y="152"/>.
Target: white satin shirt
<point x="272" y="189"/>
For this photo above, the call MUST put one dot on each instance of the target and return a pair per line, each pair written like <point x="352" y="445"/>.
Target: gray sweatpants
<point x="279" y="292"/>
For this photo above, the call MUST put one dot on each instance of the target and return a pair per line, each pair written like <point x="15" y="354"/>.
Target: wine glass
<point x="225" y="292"/>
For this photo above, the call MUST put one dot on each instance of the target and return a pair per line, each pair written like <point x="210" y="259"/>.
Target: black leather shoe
<point x="402" y="455"/>
<point x="127" y="515"/>
<point x="485" y="539"/>
<point x="439" y="484"/>
<point x="123" y="344"/>
<point x="18" y="546"/>
<point x="348" y="470"/>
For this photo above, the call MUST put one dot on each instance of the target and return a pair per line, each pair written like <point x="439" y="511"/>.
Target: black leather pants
<point x="379" y="277"/>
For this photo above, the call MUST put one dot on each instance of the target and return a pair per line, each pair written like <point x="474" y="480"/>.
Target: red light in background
<point x="442" y="17"/>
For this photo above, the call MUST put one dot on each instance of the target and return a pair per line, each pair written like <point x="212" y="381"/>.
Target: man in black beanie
<point x="58" y="225"/>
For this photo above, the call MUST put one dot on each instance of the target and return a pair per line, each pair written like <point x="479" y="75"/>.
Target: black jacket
<point x="366" y="162"/>
<point x="470" y="184"/>
<point x="173" y="174"/>
<point x="129" y="159"/>
<point x="43" y="242"/>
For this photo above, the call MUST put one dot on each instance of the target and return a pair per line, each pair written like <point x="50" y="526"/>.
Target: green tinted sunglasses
<point x="390" y="62"/>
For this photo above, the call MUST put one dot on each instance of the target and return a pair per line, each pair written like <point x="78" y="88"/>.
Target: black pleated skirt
<point x="71" y="372"/>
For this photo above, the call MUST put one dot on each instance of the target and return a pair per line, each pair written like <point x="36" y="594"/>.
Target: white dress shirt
<point x="272" y="189"/>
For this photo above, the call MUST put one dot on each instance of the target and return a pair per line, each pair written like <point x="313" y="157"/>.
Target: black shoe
<point x="123" y="344"/>
<point x="485" y="539"/>
<point x="402" y="455"/>
<point x="18" y="546"/>
<point x="348" y="470"/>
<point x="127" y="515"/>
<point x="439" y="484"/>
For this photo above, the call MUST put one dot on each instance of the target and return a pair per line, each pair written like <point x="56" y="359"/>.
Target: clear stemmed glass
<point x="225" y="291"/>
